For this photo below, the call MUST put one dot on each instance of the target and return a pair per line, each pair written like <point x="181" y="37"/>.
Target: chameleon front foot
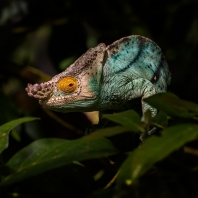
<point x="143" y="136"/>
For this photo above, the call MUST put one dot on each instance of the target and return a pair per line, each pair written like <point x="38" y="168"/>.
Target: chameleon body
<point x="107" y="77"/>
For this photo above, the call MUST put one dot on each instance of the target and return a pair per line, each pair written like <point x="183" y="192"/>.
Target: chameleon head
<point x="56" y="92"/>
<point x="76" y="88"/>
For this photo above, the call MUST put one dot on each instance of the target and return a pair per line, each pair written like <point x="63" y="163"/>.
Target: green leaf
<point x="155" y="149"/>
<point x="7" y="127"/>
<point x="172" y="105"/>
<point x="47" y="154"/>
<point x="129" y="119"/>
<point x="107" y="132"/>
<point x="59" y="182"/>
<point x="160" y="120"/>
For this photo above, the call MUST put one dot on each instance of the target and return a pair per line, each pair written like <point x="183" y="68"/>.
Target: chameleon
<point x="107" y="77"/>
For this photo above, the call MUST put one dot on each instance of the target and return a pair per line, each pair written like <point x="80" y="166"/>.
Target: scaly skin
<point x="107" y="78"/>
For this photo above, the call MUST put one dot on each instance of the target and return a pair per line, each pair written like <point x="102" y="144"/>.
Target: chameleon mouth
<point x="56" y="101"/>
<point x="41" y="91"/>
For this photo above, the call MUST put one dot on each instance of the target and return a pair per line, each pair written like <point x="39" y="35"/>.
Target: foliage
<point x="131" y="172"/>
<point x="50" y="156"/>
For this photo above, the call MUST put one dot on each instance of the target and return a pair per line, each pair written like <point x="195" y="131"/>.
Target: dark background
<point x="49" y="35"/>
<point x="42" y="37"/>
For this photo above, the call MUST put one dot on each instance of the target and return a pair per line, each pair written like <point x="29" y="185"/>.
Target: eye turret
<point x="68" y="84"/>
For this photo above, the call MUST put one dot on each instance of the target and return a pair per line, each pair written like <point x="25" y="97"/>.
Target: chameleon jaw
<point x="56" y="101"/>
<point x="67" y="104"/>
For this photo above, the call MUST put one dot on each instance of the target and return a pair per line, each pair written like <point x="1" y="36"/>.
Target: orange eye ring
<point x="68" y="84"/>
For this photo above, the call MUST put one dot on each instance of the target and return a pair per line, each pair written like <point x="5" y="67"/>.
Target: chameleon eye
<point x="68" y="84"/>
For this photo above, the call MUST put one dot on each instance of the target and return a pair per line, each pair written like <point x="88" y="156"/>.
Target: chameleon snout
<point x="40" y="91"/>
